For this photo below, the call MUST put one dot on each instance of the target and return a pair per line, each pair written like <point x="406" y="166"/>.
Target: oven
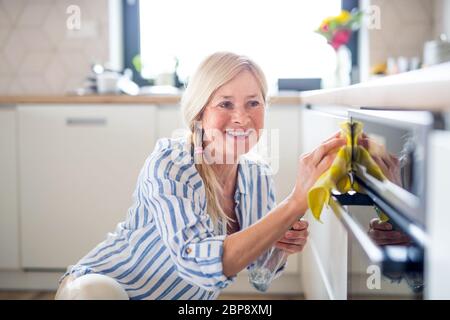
<point x="387" y="261"/>
<point x="346" y="257"/>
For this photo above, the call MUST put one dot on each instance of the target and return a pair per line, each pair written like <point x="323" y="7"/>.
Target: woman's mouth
<point x="238" y="134"/>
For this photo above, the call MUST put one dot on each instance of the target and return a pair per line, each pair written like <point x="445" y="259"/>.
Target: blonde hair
<point x="215" y="71"/>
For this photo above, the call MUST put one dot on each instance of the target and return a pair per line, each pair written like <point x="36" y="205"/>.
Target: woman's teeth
<point x="238" y="133"/>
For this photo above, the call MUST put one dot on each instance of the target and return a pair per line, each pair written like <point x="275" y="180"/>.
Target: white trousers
<point x="91" y="287"/>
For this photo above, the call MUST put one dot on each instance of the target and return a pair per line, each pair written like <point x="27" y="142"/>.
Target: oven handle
<point x="373" y="252"/>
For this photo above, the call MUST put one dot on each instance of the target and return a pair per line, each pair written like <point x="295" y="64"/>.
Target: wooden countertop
<point x="120" y="99"/>
<point x="427" y="88"/>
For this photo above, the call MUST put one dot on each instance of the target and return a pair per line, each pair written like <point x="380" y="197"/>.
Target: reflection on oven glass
<point x="394" y="151"/>
<point x="382" y="233"/>
<point x="395" y="166"/>
<point x="368" y="281"/>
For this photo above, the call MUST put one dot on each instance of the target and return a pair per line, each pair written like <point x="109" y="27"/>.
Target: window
<point x="278" y="35"/>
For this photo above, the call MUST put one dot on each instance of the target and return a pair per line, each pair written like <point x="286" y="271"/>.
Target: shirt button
<point x="188" y="250"/>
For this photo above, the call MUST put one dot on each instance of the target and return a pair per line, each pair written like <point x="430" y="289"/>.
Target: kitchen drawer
<point x="78" y="169"/>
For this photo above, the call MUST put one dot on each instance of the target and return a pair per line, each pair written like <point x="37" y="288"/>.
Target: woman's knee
<point x="91" y="287"/>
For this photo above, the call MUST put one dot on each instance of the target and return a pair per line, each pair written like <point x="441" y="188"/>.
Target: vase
<point x="343" y="69"/>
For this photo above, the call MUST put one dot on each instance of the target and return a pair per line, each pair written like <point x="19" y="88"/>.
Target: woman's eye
<point x="225" y="104"/>
<point x="254" y="103"/>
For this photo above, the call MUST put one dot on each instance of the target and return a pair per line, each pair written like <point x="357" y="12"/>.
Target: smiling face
<point x="234" y="117"/>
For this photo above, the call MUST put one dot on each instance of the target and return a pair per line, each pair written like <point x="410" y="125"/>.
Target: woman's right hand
<point x="383" y="234"/>
<point x="311" y="166"/>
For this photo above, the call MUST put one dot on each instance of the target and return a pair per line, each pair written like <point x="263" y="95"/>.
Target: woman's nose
<point x="240" y="116"/>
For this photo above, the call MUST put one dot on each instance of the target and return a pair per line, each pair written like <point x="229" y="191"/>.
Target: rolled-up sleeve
<point x="187" y="230"/>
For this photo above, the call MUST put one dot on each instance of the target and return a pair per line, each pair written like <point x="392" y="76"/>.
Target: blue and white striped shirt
<point x="168" y="247"/>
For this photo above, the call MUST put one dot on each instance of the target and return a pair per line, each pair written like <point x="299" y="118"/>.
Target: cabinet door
<point x="169" y="121"/>
<point x="9" y="215"/>
<point x="324" y="262"/>
<point x="79" y="166"/>
<point x="283" y="133"/>
<point x="437" y="259"/>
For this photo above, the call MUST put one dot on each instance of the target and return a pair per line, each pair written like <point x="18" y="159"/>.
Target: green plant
<point x="137" y="63"/>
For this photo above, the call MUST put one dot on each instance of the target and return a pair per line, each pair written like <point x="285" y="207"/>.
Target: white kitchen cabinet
<point x="169" y="121"/>
<point x="324" y="261"/>
<point x="9" y="215"/>
<point x="437" y="259"/>
<point x="78" y="169"/>
<point x="282" y="127"/>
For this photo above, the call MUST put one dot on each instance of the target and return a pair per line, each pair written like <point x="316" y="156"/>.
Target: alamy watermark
<point x="374" y="279"/>
<point x="73" y="21"/>
<point x="372" y="18"/>
<point x="219" y="147"/>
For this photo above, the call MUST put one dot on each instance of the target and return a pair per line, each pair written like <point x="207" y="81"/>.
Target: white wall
<point x="442" y="18"/>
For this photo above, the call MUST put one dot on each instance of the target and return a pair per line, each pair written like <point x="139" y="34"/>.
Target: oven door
<point x="380" y="264"/>
<point x="388" y="263"/>
<point x="345" y="258"/>
<point x="397" y="141"/>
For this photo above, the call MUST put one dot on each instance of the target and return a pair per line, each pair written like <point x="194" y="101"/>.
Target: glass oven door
<point x="397" y="143"/>
<point x="385" y="260"/>
<point x="381" y="264"/>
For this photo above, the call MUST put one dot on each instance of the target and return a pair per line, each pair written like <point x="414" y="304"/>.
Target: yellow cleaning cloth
<point x="337" y="176"/>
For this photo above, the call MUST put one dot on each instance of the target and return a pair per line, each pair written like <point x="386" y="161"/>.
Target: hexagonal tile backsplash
<point x="39" y="55"/>
<point x="405" y="26"/>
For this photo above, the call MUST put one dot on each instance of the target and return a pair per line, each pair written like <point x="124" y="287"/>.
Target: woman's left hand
<point x="294" y="240"/>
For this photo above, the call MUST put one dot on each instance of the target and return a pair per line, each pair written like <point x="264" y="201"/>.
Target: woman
<point x="203" y="210"/>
